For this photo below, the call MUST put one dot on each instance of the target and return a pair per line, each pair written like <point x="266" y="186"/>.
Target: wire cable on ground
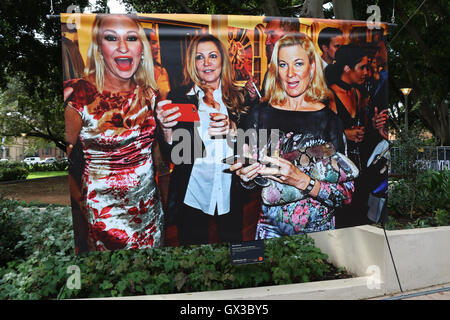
<point x="392" y="257"/>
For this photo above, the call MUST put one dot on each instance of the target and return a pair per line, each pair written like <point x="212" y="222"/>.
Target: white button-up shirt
<point x="209" y="187"/>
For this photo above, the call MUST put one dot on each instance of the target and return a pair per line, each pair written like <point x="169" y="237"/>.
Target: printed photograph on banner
<point x="196" y="129"/>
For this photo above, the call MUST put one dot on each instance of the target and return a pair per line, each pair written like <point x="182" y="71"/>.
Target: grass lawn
<point x="46" y="174"/>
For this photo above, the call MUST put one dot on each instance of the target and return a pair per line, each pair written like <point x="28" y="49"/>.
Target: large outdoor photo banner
<point x="194" y="129"/>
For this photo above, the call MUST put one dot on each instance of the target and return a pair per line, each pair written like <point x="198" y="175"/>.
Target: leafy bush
<point x="407" y="149"/>
<point x="10" y="233"/>
<point x="13" y="173"/>
<point x="430" y="194"/>
<point x="442" y="217"/>
<point x="15" y="170"/>
<point x="55" y="166"/>
<point x="10" y="164"/>
<point x="40" y="270"/>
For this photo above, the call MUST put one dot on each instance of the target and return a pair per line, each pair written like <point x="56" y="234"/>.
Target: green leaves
<point x="430" y="189"/>
<point x="44" y="239"/>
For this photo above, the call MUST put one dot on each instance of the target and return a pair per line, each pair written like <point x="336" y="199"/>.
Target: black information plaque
<point x="247" y="252"/>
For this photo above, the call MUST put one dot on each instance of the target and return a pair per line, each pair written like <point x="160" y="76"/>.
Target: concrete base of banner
<point x="342" y="289"/>
<point x="421" y="258"/>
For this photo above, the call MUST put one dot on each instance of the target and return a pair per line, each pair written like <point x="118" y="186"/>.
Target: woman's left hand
<point x="221" y="125"/>
<point x="379" y="119"/>
<point x="283" y="171"/>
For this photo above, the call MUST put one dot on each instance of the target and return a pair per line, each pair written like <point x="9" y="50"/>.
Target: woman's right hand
<point x="167" y="118"/>
<point x="246" y="173"/>
<point x="249" y="86"/>
<point x="355" y="134"/>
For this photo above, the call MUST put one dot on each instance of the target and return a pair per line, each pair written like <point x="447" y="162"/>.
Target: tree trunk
<point x="185" y="7"/>
<point x="313" y="9"/>
<point x="343" y="9"/>
<point x="271" y="8"/>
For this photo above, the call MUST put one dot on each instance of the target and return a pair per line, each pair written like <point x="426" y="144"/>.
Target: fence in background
<point x="436" y="158"/>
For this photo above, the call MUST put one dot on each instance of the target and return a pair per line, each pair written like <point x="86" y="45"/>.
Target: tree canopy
<point x="31" y="71"/>
<point x="419" y="59"/>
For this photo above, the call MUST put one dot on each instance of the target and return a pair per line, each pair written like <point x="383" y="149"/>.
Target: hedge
<point x="13" y="173"/>
<point x="15" y="170"/>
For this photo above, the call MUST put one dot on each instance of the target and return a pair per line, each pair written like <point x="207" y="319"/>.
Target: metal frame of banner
<point x="53" y="16"/>
<point x="58" y="16"/>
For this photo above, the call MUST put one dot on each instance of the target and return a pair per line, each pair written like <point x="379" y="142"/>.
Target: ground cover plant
<point x="423" y="202"/>
<point x="37" y="252"/>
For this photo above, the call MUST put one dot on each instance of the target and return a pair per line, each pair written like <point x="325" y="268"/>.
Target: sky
<point x="115" y="6"/>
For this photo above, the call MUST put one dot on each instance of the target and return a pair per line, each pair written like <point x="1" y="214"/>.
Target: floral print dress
<point x="119" y="192"/>
<point x="299" y="130"/>
<point x="307" y="214"/>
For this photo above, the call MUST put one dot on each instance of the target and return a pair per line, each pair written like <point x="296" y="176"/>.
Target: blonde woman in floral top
<point x="295" y="105"/>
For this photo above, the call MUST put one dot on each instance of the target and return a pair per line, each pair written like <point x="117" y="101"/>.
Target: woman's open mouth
<point x="124" y="63"/>
<point x="292" y="84"/>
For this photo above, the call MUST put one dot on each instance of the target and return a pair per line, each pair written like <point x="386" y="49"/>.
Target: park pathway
<point x="441" y="292"/>
<point x="54" y="190"/>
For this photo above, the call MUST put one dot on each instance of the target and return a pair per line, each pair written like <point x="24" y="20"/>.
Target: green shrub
<point x="41" y="167"/>
<point x="391" y="223"/>
<point x="60" y="165"/>
<point x="10" y="164"/>
<point x="13" y="173"/>
<point x="10" y="232"/>
<point x="47" y="244"/>
<point x="428" y="193"/>
<point x="442" y="217"/>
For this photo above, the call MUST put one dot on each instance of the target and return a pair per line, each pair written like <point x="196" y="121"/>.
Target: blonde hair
<point x="317" y="90"/>
<point x="231" y="94"/>
<point x="95" y="67"/>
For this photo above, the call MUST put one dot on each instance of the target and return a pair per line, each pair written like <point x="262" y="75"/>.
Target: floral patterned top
<point x="300" y="130"/>
<point x="119" y="192"/>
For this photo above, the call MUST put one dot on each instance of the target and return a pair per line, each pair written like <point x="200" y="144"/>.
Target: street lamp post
<point x="23" y="147"/>
<point x="406" y="92"/>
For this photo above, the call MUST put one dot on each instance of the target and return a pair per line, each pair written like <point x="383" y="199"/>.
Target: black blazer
<point x="181" y="173"/>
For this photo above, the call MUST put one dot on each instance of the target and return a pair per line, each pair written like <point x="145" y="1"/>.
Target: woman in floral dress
<point x="297" y="201"/>
<point x="111" y="111"/>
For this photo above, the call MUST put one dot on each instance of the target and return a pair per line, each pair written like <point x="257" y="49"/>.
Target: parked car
<point x="4" y="160"/>
<point x="49" y="160"/>
<point x="32" y="160"/>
